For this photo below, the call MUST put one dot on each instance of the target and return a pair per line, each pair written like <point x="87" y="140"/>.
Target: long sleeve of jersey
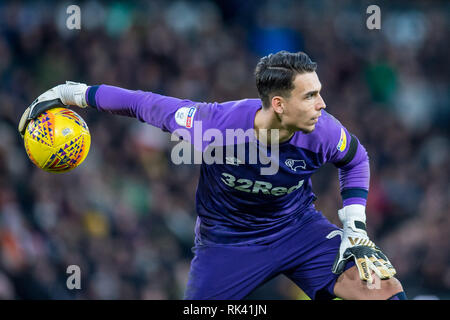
<point x="149" y="107"/>
<point x="167" y="113"/>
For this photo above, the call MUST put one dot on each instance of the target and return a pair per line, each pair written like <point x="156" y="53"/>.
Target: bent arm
<point x="345" y="151"/>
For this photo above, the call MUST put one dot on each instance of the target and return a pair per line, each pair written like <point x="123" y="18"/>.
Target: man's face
<point x="302" y="109"/>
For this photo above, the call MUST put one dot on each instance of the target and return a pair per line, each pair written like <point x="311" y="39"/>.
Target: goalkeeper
<point x="252" y="227"/>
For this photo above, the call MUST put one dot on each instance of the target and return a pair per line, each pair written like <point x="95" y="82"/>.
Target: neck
<point x="265" y="123"/>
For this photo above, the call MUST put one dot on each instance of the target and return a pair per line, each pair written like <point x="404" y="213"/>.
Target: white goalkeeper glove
<point x="68" y="94"/>
<point x="356" y="245"/>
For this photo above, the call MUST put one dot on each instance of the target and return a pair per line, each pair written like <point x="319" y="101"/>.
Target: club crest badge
<point x="295" y="164"/>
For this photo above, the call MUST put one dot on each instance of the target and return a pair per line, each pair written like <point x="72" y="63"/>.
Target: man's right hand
<point x="70" y="93"/>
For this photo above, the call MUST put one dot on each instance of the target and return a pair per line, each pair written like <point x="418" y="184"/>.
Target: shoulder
<point x="230" y="114"/>
<point x="329" y="129"/>
<point x="328" y="134"/>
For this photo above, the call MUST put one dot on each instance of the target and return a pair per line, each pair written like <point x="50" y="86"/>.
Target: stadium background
<point x="126" y="216"/>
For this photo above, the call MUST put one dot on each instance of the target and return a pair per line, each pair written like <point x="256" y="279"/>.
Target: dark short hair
<point x="276" y="72"/>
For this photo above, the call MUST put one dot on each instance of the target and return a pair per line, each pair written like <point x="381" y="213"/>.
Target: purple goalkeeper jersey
<point x="234" y="201"/>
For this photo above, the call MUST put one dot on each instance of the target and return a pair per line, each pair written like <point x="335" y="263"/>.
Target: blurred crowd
<point x="126" y="216"/>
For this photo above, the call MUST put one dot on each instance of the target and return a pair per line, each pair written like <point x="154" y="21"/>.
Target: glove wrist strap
<point x="73" y="93"/>
<point x="353" y="217"/>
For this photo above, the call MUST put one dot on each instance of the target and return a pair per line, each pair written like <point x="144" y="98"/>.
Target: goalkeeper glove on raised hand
<point x="355" y="244"/>
<point x="68" y="94"/>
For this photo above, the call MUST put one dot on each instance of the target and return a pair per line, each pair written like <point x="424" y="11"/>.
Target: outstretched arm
<point x="155" y="109"/>
<point x="166" y="113"/>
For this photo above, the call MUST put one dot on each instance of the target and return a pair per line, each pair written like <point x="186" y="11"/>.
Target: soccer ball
<point x="58" y="140"/>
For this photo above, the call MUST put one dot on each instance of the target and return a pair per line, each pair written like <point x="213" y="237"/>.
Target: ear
<point x="278" y="104"/>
